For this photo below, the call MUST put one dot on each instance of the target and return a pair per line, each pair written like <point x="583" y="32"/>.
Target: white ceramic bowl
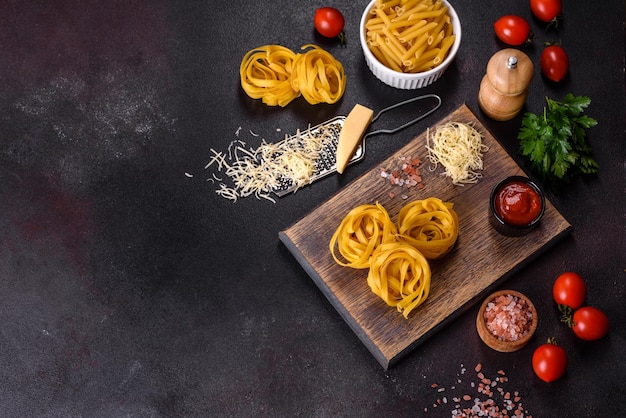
<point x="409" y="81"/>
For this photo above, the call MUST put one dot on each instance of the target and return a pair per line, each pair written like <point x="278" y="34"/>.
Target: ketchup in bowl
<point x="516" y="206"/>
<point x="518" y="203"/>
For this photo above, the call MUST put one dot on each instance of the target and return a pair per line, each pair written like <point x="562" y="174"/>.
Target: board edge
<point x="337" y="305"/>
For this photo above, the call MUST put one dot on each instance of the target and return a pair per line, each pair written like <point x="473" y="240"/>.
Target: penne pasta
<point x="387" y="5"/>
<point x="410" y="35"/>
<point x="428" y="55"/>
<point x="417" y="48"/>
<point x="408" y="6"/>
<point x="434" y="42"/>
<point x="446" y="44"/>
<point x="408" y="10"/>
<point x="441" y="22"/>
<point x="391" y="60"/>
<point x="417" y="31"/>
<point x="426" y="14"/>
<point x="394" y="44"/>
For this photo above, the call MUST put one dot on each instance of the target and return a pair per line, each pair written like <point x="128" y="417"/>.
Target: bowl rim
<point x="493" y="341"/>
<point x="511" y="179"/>
<point x="456" y="25"/>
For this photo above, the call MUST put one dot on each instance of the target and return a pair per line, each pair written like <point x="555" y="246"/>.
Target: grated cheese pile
<point x="459" y="149"/>
<point x="258" y="171"/>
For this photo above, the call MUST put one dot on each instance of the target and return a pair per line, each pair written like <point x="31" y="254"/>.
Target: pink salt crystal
<point x="508" y="318"/>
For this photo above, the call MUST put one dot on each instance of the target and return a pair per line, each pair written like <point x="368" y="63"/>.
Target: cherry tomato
<point x="329" y="21"/>
<point x="549" y="361"/>
<point x="569" y="289"/>
<point x="546" y="10"/>
<point x="513" y="30"/>
<point x="554" y="63"/>
<point x="589" y="323"/>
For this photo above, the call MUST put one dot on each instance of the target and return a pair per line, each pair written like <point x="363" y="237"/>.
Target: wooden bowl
<point x="507" y="343"/>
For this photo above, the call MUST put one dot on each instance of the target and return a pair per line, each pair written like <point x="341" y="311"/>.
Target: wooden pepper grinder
<point x="504" y="88"/>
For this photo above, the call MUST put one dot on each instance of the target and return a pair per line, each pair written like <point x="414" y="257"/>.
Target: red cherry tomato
<point x="569" y="289"/>
<point x="513" y="30"/>
<point x="589" y="323"/>
<point x="546" y="10"/>
<point x="554" y="63"/>
<point x="329" y="21"/>
<point x="549" y="361"/>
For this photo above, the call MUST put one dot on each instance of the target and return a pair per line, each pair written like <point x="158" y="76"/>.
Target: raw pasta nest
<point x="429" y="225"/>
<point x="400" y="275"/>
<point x="278" y="75"/>
<point x="397" y="255"/>
<point x="360" y="232"/>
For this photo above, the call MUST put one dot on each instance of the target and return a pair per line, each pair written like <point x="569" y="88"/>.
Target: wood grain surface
<point x="481" y="259"/>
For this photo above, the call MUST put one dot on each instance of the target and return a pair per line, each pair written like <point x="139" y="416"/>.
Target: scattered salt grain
<point x="500" y="403"/>
<point x="407" y="175"/>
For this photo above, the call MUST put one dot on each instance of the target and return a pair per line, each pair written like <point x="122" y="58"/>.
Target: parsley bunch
<point x="555" y="142"/>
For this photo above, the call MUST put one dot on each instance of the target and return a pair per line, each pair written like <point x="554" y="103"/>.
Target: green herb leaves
<point x="555" y="142"/>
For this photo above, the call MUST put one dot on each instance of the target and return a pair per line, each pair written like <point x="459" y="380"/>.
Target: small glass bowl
<point x="503" y="345"/>
<point x="501" y="225"/>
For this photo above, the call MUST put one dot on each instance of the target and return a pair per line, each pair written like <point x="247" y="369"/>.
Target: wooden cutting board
<point x="481" y="259"/>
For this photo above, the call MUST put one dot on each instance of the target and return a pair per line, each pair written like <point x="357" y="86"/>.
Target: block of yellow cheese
<point x="354" y="127"/>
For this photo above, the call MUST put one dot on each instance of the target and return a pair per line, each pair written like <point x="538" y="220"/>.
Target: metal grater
<point x="327" y="162"/>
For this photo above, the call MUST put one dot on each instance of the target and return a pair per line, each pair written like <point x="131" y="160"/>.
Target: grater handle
<point x="406" y="125"/>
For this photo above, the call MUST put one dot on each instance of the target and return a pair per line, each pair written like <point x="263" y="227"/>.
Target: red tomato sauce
<point x="517" y="203"/>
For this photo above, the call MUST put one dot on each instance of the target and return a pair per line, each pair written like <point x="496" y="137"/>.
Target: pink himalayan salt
<point x="508" y="318"/>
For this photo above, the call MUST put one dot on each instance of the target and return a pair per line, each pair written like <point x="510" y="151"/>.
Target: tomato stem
<point x="567" y="315"/>
<point x="554" y="23"/>
<point x="342" y="39"/>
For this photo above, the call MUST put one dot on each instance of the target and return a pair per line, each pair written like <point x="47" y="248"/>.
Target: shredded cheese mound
<point x="459" y="149"/>
<point x="256" y="172"/>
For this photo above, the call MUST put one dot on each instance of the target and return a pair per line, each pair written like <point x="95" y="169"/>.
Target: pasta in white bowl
<point x="408" y="44"/>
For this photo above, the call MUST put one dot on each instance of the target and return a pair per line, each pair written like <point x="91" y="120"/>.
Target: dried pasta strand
<point x="459" y="149"/>
<point x="397" y="255"/>
<point x="363" y="229"/>
<point x="278" y="75"/>
<point x="265" y="73"/>
<point x="429" y="225"/>
<point x="400" y="275"/>
<point x="318" y="76"/>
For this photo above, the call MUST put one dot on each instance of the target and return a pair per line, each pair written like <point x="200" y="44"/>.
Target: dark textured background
<point x="130" y="289"/>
